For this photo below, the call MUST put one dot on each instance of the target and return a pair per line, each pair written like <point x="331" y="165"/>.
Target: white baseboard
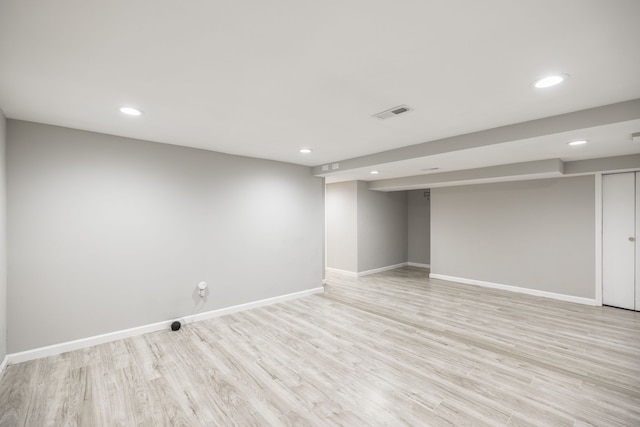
<point x="3" y="365"/>
<point x="367" y="272"/>
<point x="381" y="269"/>
<point x="53" y="350"/>
<point x="345" y="272"/>
<point x="417" y="264"/>
<point x="528" y="291"/>
<point x="250" y="305"/>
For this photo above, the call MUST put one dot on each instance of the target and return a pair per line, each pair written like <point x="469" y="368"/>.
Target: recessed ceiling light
<point x="550" y="81"/>
<point x="130" y="111"/>
<point x="580" y="142"/>
<point x="305" y="150"/>
<point x="374" y="172"/>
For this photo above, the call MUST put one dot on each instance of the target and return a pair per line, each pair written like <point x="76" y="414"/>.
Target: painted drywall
<point x="3" y="240"/>
<point x="593" y="117"/>
<point x="342" y="226"/>
<point x="604" y="164"/>
<point x="538" y="169"/>
<point x="419" y="227"/>
<point x="531" y="234"/>
<point x="366" y="230"/>
<point x="108" y="233"/>
<point x="382" y="228"/>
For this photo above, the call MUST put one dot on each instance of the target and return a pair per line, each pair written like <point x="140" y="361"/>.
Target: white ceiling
<point x="264" y="78"/>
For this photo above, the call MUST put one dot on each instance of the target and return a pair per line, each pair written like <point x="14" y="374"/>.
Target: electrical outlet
<point x="202" y="287"/>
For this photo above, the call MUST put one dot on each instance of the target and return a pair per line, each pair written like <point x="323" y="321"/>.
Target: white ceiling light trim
<point x="579" y="142"/>
<point x="550" y="81"/>
<point x="131" y="111"/>
<point x="305" y="150"/>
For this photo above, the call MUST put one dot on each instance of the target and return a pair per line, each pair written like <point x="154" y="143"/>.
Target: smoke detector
<point x="392" y="112"/>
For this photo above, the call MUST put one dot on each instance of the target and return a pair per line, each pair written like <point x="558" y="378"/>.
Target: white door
<point x="618" y="240"/>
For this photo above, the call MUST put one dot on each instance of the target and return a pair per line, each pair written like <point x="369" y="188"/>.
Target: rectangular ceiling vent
<point x="392" y="112"/>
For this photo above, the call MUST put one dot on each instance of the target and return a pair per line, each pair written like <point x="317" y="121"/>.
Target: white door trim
<point x="598" y="294"/>
<point x="618" y="255"/>
<point x="636" y="236"/>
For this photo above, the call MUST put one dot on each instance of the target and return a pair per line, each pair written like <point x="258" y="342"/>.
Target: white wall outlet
<point x="202" y="287"/>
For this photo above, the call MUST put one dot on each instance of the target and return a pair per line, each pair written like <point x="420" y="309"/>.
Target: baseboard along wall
<point x="418" y="264"/>
<point x="381" y="269"/>
<point x="345" y="272"/>
<point x="3" y="365"/>
<point x="366" y="272"/>
<point x="56" y="349"/>
<point x="527" y="291"/>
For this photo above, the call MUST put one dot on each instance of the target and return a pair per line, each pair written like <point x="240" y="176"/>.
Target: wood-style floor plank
<point x="395" y="348"/>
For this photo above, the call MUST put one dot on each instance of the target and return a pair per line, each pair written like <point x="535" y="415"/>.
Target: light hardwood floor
<point x="395" y="348"/>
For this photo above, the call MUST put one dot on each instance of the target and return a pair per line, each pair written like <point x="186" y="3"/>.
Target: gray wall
<point x="342" y="225"/>
<point x="532" y="234"/>
<point x="3" y="240"/>
<point x="366" y="229"/>
<point x="382" y="228"/>
<point x="419" y="225"/>
<point x="108" y="233"/>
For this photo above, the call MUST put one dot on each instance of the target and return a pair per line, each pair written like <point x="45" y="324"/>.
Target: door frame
<point x="598" y="293"/>
<point x="598" y="228"/>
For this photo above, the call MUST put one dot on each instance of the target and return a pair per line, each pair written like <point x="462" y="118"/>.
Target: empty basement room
<point x="354" y="213"/>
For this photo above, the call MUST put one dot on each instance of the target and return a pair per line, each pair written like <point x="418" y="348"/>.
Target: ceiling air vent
<point x="392" y="112"/>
